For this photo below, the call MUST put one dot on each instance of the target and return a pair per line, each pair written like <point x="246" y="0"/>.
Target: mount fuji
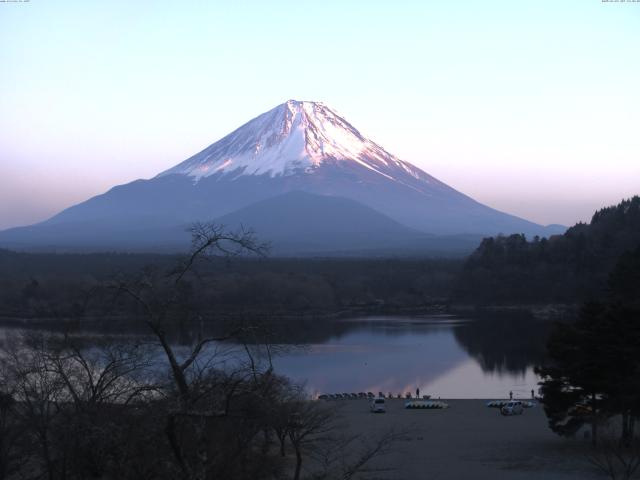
<point x="296" y="169"/>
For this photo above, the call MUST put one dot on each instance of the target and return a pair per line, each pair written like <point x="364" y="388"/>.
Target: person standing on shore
<point x="510" y="395"/>
<point x="418" y="392"/>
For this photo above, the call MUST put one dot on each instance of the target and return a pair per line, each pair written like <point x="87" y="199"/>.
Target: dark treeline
<point x="592" y="375"/>
<point x="562" y="269"/>
<point x="45" y="285"/>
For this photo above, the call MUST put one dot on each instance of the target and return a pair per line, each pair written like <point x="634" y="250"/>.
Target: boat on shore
<point x="425" y="404"/>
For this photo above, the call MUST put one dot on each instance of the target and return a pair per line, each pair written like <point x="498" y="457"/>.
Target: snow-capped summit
<point x="294" y="137"/>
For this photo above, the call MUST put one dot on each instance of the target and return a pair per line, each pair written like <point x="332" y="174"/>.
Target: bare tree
<point x="108" y="373"/>
<point x="12" y="458"/>
<point x="163" y="300"/>
<point x="344" y="457"/>
<point x="69" y="401"/>
<point x="315" y="432"/>
<point x="309" y="423"/>
<point x="618" y="459"/>
<point x="38" y="396"/>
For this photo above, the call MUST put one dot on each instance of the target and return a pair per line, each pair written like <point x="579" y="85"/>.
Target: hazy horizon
<point x="529" y="109"/>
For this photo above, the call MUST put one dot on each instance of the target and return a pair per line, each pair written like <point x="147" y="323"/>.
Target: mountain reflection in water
<point x="443" y="356"/>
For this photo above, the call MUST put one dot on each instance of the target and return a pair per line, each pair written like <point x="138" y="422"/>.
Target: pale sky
<point x="531" y="107"/>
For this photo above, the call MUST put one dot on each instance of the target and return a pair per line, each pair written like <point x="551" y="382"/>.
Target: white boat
<point x="502" y="403"/>
<point x="425" y="404"/>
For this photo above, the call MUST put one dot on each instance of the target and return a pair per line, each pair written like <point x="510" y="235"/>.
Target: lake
<point x="444" y="356"/>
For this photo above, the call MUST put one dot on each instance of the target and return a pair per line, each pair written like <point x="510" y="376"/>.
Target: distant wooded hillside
<point x="564" y="268"/>
<point x="45" y="285"/>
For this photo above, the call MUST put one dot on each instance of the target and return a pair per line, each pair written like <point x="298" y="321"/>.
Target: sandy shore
<point x="470" y="441"/>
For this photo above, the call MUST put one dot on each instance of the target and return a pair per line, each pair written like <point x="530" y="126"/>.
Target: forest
<point x="49" y="285"/>
<point x="567" y="268"/>
<point x="591" y="376"/>
<point x="503" y="270"/>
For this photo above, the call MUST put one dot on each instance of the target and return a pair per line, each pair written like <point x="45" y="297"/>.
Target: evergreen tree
<point x="565" y="268"/>
<point x="594" y="368"/>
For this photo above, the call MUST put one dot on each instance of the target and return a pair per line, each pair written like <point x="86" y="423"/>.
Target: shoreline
<point x="537" y="311"/>
<point x="469" y="441"/>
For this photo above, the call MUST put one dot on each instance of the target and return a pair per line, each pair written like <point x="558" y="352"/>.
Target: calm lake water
<point x="443" y="356"/>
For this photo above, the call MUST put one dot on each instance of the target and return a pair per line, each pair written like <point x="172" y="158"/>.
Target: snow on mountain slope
<point x="296" y="137"/>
